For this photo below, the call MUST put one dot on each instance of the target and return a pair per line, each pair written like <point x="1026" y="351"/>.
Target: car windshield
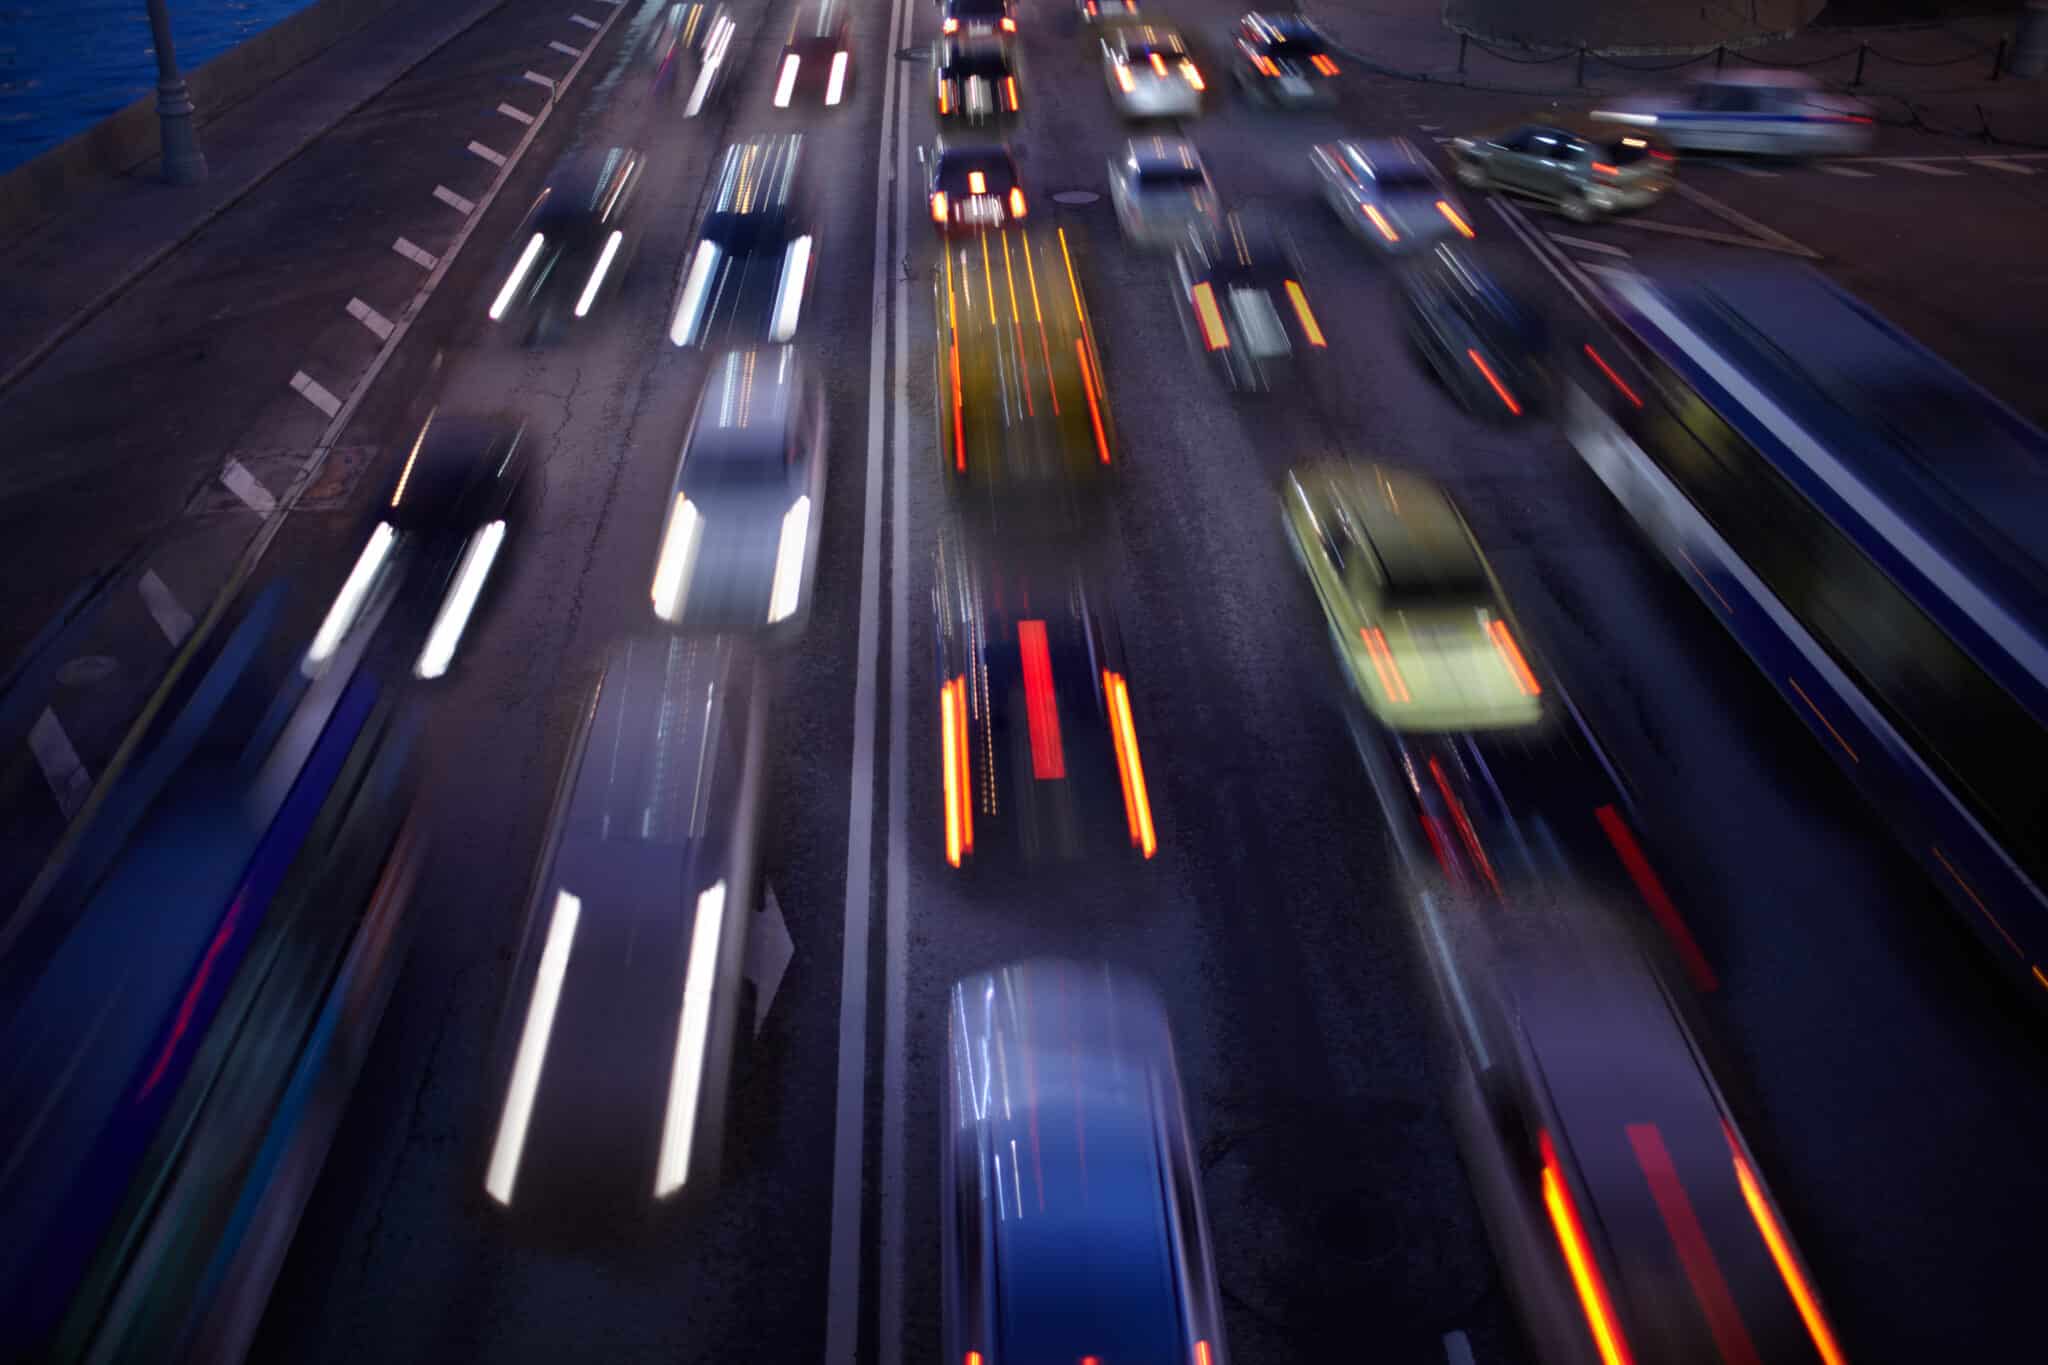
<point x="1294" y="45"/>
<point x="1138" y="54"/>
<point x="742" y="233"/>
<point x="977" y="9"/>
<point x="1422" y="578"/>
<point x="1402" y="175"/>
<point x="990" y="64"/>
<point x="955" y="177"/>
<point x="1170" y="177"/>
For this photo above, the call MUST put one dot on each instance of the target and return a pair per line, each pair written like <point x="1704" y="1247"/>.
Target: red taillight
<point x="1041" y="706"/>
<point x="1214" y="335"/>
<point x="954" y="770"/>
<point x="1612" y="377"/>
<point x="1663" y="156"/>
<point x="1500" y="390"/>
<point x="1202" y="1353"/>
<point x="1016" y="202"/>
<point x="1265" y="65"/>
<point x="1511" y="655"/>
<point x="1324" y="64"/>
<point x="1602" y="168"/>
<point x="939" y="207"/>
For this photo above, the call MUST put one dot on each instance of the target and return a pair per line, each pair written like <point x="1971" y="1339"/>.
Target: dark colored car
<point x="615" y="1047"/>
<point x="574" y="248"/>
<point x="691" y="51"/>
<point x="974" y="80"/>
<point x="1070" y="1205"/>
<point x="1586" y="168"/>
<point x="816" y="56"/>
<point x="1488" y="344"/>
<point x="977" y="16"/>
<point x="756" y="253"/>
<point x="739" y="546"/>
<point x="1038" y="753"/>
<point x="973" y="186"/>
<point x="455" y="503"/>
<point x="1284" y="60"/>
<point x="1242" y="301"/>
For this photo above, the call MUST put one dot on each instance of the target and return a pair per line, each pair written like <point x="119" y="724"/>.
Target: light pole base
<point x="183" y="162"/>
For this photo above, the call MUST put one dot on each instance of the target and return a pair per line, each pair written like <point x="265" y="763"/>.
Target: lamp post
<point x="184" y="163"/>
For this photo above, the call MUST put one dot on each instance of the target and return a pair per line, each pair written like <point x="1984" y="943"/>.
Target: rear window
<point x="978" y="9"/>
<point x="954" y="176"/>
<point x="1296" y="45"/>
<point x="1402" y="175"/>
<point x="990" y="64"/>
<point x="1167" y="177"/>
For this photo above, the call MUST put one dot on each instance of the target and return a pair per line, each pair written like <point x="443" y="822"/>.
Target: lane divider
<point x="455" y="201"/>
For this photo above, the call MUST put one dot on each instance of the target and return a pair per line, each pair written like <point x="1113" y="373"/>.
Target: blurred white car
<point x="1151" y="73"/>
<point x="1159" y="186"/>
<point x="1388" y="193"/>
<point x="1777" y="113"/>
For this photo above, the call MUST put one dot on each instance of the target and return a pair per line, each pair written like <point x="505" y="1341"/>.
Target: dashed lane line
<point x="1999" y="163"/>
<point x="170" y="617"/>
<point x="537" y="79"/>
<point x="1767" y="236"/>
<point x="591" y="24"/>
<point x="379" y="325"/>
<point x="494" y="157"/>
<point x="1906" y="164"/>
<point x="512" y="112"/>
<point x="424" y="259"/>
<point x="244" y="485"/>
<point x="60" y="763"/>
<point x="1743" y="168"/>
<point x="565" y="49"/>
<point x="454" y="200"/>
<point x="1848" y="172"/>
<point x="316" y="393"/>
<point x="1582" y="244"/>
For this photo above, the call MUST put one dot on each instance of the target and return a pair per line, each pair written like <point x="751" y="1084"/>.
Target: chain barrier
<point x="1520" y="61"/>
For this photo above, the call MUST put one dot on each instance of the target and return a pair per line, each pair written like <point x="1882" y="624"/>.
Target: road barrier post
<point x="1862" y="51"/>
<point x="1464" y="39"/>
<point x="1720" y="55"/>
<point x="1582" y="68"/>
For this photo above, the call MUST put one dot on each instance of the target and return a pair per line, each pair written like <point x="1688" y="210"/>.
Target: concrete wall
<point x="38" y="189"/>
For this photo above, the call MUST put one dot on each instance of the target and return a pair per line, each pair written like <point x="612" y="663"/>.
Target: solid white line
<point x="1847" y="171"/>
<point x="1457" y="1350"/>
<point x="520" y="114"/>
<point x="1920" y="166"/>
<point x="538" y="79"/>
<point x="495" y="158"/>
<point x="378" y="324"/>
<point x="454" y="200"/>
<point x="243" y="485"/>
<point x="565" y="49"/>
<point x="1743" y="221"/>
<point x="314" y="392"/>
<point x="1563" y="267"/>
<point x="419" y="257"/>
<point x="1582" y="244"/>
<point x="1999" y="163"/>
<point x="172" y="619"/>
<point x="1705" y="235"/>
<point x="68" y="779"/>
<point x="587" y="23"/>
<point x="842" y="1304"/>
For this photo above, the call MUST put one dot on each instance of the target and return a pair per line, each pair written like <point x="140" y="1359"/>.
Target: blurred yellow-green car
<point x="1418" y="620"/>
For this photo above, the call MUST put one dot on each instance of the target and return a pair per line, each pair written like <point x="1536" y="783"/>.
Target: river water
<point x="67" y="64"/>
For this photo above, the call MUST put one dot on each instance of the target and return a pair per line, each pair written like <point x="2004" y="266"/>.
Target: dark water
<point x="67" y="64"/>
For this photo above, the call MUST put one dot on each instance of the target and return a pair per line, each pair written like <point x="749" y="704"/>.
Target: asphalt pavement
<point x="1889" y="1087"/>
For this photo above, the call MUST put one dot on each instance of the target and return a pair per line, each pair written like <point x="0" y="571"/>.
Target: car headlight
<point x="789" y="560"/>
<point x="679" y="544"/>
<point x="512" y="282"/>
<point x="348" y="603"/>
<point x="460" y="603"/>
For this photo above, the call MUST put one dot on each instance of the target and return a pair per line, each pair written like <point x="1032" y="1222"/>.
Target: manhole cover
<point x="86" y="670"/>
<point x="1075" y="197"/>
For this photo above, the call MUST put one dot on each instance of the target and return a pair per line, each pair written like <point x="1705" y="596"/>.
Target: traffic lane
<point x="400" y="1190"/>
<point x="237" y="310"/>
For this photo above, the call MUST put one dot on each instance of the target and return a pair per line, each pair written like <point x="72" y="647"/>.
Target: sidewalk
<point x="61" y="274"/>
<point x="1935" y="77"/>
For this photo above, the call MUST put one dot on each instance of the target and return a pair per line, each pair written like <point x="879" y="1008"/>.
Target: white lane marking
<point x="495" y="158"/>
<point x="1567" y="271"/>
<point x="1704" y="235"/>
<point x="521" y="115"/>
<point x="1743" y="221"/>
<point x="314" y="392"/>
<point x="243" y="485"/>
<point x="426" y="260"/>
<point x="1999" y="163"/>
<point x="565" y="49"/>
<point x="1849" y="172"/>
<point x="68" y="779"/>
<point x="587" y="23"/>
<point x="1921" y="166"/>
<point x="378" y="324"/>
<point x="538" y="79"/>
<point x="1457" y="1350"/>
<point x="1744" y="168"/>
<point x="842" y="1304"/>
<point x="454" y="200"/>
<point x="1582" y="244"/>
<point x="171" y="618"/>
<point x="1443" y="139"/>
<point x="1429" y="127"/>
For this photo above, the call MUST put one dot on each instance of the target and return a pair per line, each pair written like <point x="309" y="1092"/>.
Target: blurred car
<point x="1161" y="188"/>
<point x="1038" y="752"/>
<point x="1284" y="60"/>
<point x="1584" y="167"/>
<point x="456" y="501"/>
<point x="1387" y="192"/>
<point x="738" y="545"/>
<point x="1418" y="620"/>
<point x="815" y="55"/>
<point x="1242" y="300"/>
<point x="1774" y="113"/>
<point x="1073" y="1068"/>
<point x="1107" y="11"/>
<point x="690" y="49"/>
<point x="968" y="17"/>
<point x="1150" y="72"/>
<point x="615" y="1046"/>
<point x="975" y="80"/>
<point x="575" y="246"/>
<point x="756" y="253"/>
<point x="1488" y="345"/>
<point x="972" y="186"/>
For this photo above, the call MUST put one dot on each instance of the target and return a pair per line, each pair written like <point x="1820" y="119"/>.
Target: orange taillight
<point x="1265" y="65"/>
<point x="1137" y="805"/>
<point x="945" y="97"/>
<point x="1016" y="202"/>
<point x="1193" y="75"/>
<point x="1781" y="1252"/>
<point x="1379" y="221"/>
<point x="1455" y="219"/>
<point x="953" y="745"/>
<point x="977" y="183"/>
<point x="1301" y="310"/>
<point x="1392" y="684"/>
<point x="1010" y="89"/>
<point x="1511" y="655"/>
<point x="939" y="206"/>
<point x="1324" y="64"/>
<point x="1578" y="1256"/>
<point x="1213" y="334"/>
<point x="1125" y="80"/>
<point x="1602" y="168"/>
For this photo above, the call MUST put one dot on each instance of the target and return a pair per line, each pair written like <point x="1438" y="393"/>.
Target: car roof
<point x="758" y="175"/>
<point x="749" y="400"/>
<point x="1414" y="529"/>
<point x="979" y="48"/>
<point x="975" y="155"/>
<point x="1584" y="126"/>
<point x="1164" y="153"/>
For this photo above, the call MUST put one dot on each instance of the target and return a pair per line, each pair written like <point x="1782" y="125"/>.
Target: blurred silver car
<point x="1159" y="186"/>
<point x="1776" y="113"/>
<point x="738" y="549"/>
<point x="1584" y="167"/>
<point x="1150" y="72"/>
<point x="1063" y="1101"/>
<point x="1388" y="193"/>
